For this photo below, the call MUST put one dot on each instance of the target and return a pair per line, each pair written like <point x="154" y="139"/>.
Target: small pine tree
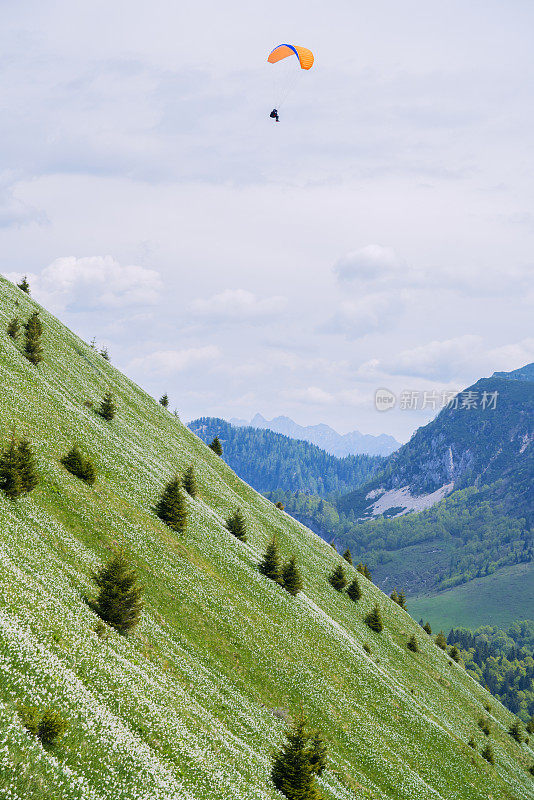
<point x="531" y="769"/>
<point x="77" y="465"/>
<point x="487" y="753"/>
<point x="441" y="641"/>
<point x="530" y="725"/>
<point x="484" y="726"/>
<point x="26" y="465"/>
<point x="18" y="473"/>
<point x="347" y="556"/>
<point x="10" y="479"/>
<point x="236" y="525"/>
<point x="472" y="743"/>
<point x="13" y="328"/>
<point x="318" y="753"/>
<point x="33" y="331"/>
<point x="171" y="507"/>
<point x="515" y="730"/>
<point x="164" y="400"/>
<point x="270" y="565"/>
<point x="402" y="600"/>
<point x="364" y="570"/>
<point x="374" y="620"/>
<point x="337" y="578"/>
<point x="394" y="596"/>
<point x="107" y="407"/>
<point x="333" y="545"/>
<point x="427" y="628"/>
<point x="292" y="773"/>
<point x="190" y="482"/>
<point x="119" y="598"/>
<point x="412" y="644"/>
<point x="24" y="285"/>
<point x="216" y="446"/>
<point x="291" y="578"/>
<point x="354" y="591"/>
<point x="454" y="653"/>
<point x="105" y="354"/>
<point x="280" y="505"/>
<point x="51" y="727"/>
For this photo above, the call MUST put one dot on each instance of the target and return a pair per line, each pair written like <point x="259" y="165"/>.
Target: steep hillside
<point x="271" y="461"/>
<point x="189" y="706"/>
<point x="325" y="437"/>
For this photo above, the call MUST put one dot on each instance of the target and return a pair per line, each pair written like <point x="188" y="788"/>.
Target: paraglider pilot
<point x="274" y="115"/>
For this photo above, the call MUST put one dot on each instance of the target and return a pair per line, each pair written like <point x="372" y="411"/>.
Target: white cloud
<point x="311" y="395"/>
<point x="366" y="314"/>
<point x="238" y="305"/>
<point x="463" y="357"/>
<point x="168" y="362"/>
<point x="93" y="283"/>
<point x="370" y="263"/>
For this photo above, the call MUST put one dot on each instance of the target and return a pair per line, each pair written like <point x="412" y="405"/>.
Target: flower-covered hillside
<point x="192" y="703"/>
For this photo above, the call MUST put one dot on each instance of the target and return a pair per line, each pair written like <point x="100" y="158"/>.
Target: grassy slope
<point x="497" y="599"/>
<point x="183" y="708"/>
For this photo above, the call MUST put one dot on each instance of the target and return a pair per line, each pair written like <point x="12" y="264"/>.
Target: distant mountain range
<point x="270" y="461"/>
<point x="325" y="437"/>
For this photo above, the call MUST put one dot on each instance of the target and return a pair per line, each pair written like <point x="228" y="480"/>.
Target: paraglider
<point x="304" y="58"/>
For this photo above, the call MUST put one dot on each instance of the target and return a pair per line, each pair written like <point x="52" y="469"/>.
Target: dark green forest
<point x="269" y="461"/>
<point x="502" y="661"/>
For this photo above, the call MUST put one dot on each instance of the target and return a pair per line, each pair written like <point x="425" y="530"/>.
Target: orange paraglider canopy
<point x="304" y="55"/>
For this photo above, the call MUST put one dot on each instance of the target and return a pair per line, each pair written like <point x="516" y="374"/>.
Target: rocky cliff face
<point x="484" y="437"/>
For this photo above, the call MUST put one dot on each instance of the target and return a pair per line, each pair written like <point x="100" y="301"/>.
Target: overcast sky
<point x="381" y="235"/>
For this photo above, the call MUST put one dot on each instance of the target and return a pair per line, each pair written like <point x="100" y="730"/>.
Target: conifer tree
<point x="332" y="543"/>
<point x="26" y="465"/>
<point x="10" y="479"/>
<point x="171" y="507"/>
<point x="292" y="773"/>
<point x="107" y="407"/>
<point x="337" y="578"/>
<point x="427" y="628"/>
<point x="13" y="328"/>
<point x="454" y="653"/>
<point x="270" y="565"/>
<point x="77" y="465"/>
<point x="24" y="285"/>
<point x="33" y="330"/>
<point x="318" y="753"/>
<point x="216" y="446"/>
<point x="164" y="400"/>
<point x="487" y="753"/>
<point x="441" y="641"/>
<point x="402" y="600"/>
<point x="374" y="620"/>
<point x="472" y="743"/>
<point x="190" y="482"/>
<point x="354" y="591"/>
<point x="280" y="505"/>
<point x="364" y="570"/>
<point x="515" y="730"/>
<point x="530" y="725"/>
<point x="119" y="597"/>
<point x="236" y="525"/>
<point x="291" y="578"/>
<point x="18" y="473"/>
<point x="412" y="644"/>
<point x="105" y="353"/>
<point x="347" y="556"/>
<point x="394" y="596"/>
